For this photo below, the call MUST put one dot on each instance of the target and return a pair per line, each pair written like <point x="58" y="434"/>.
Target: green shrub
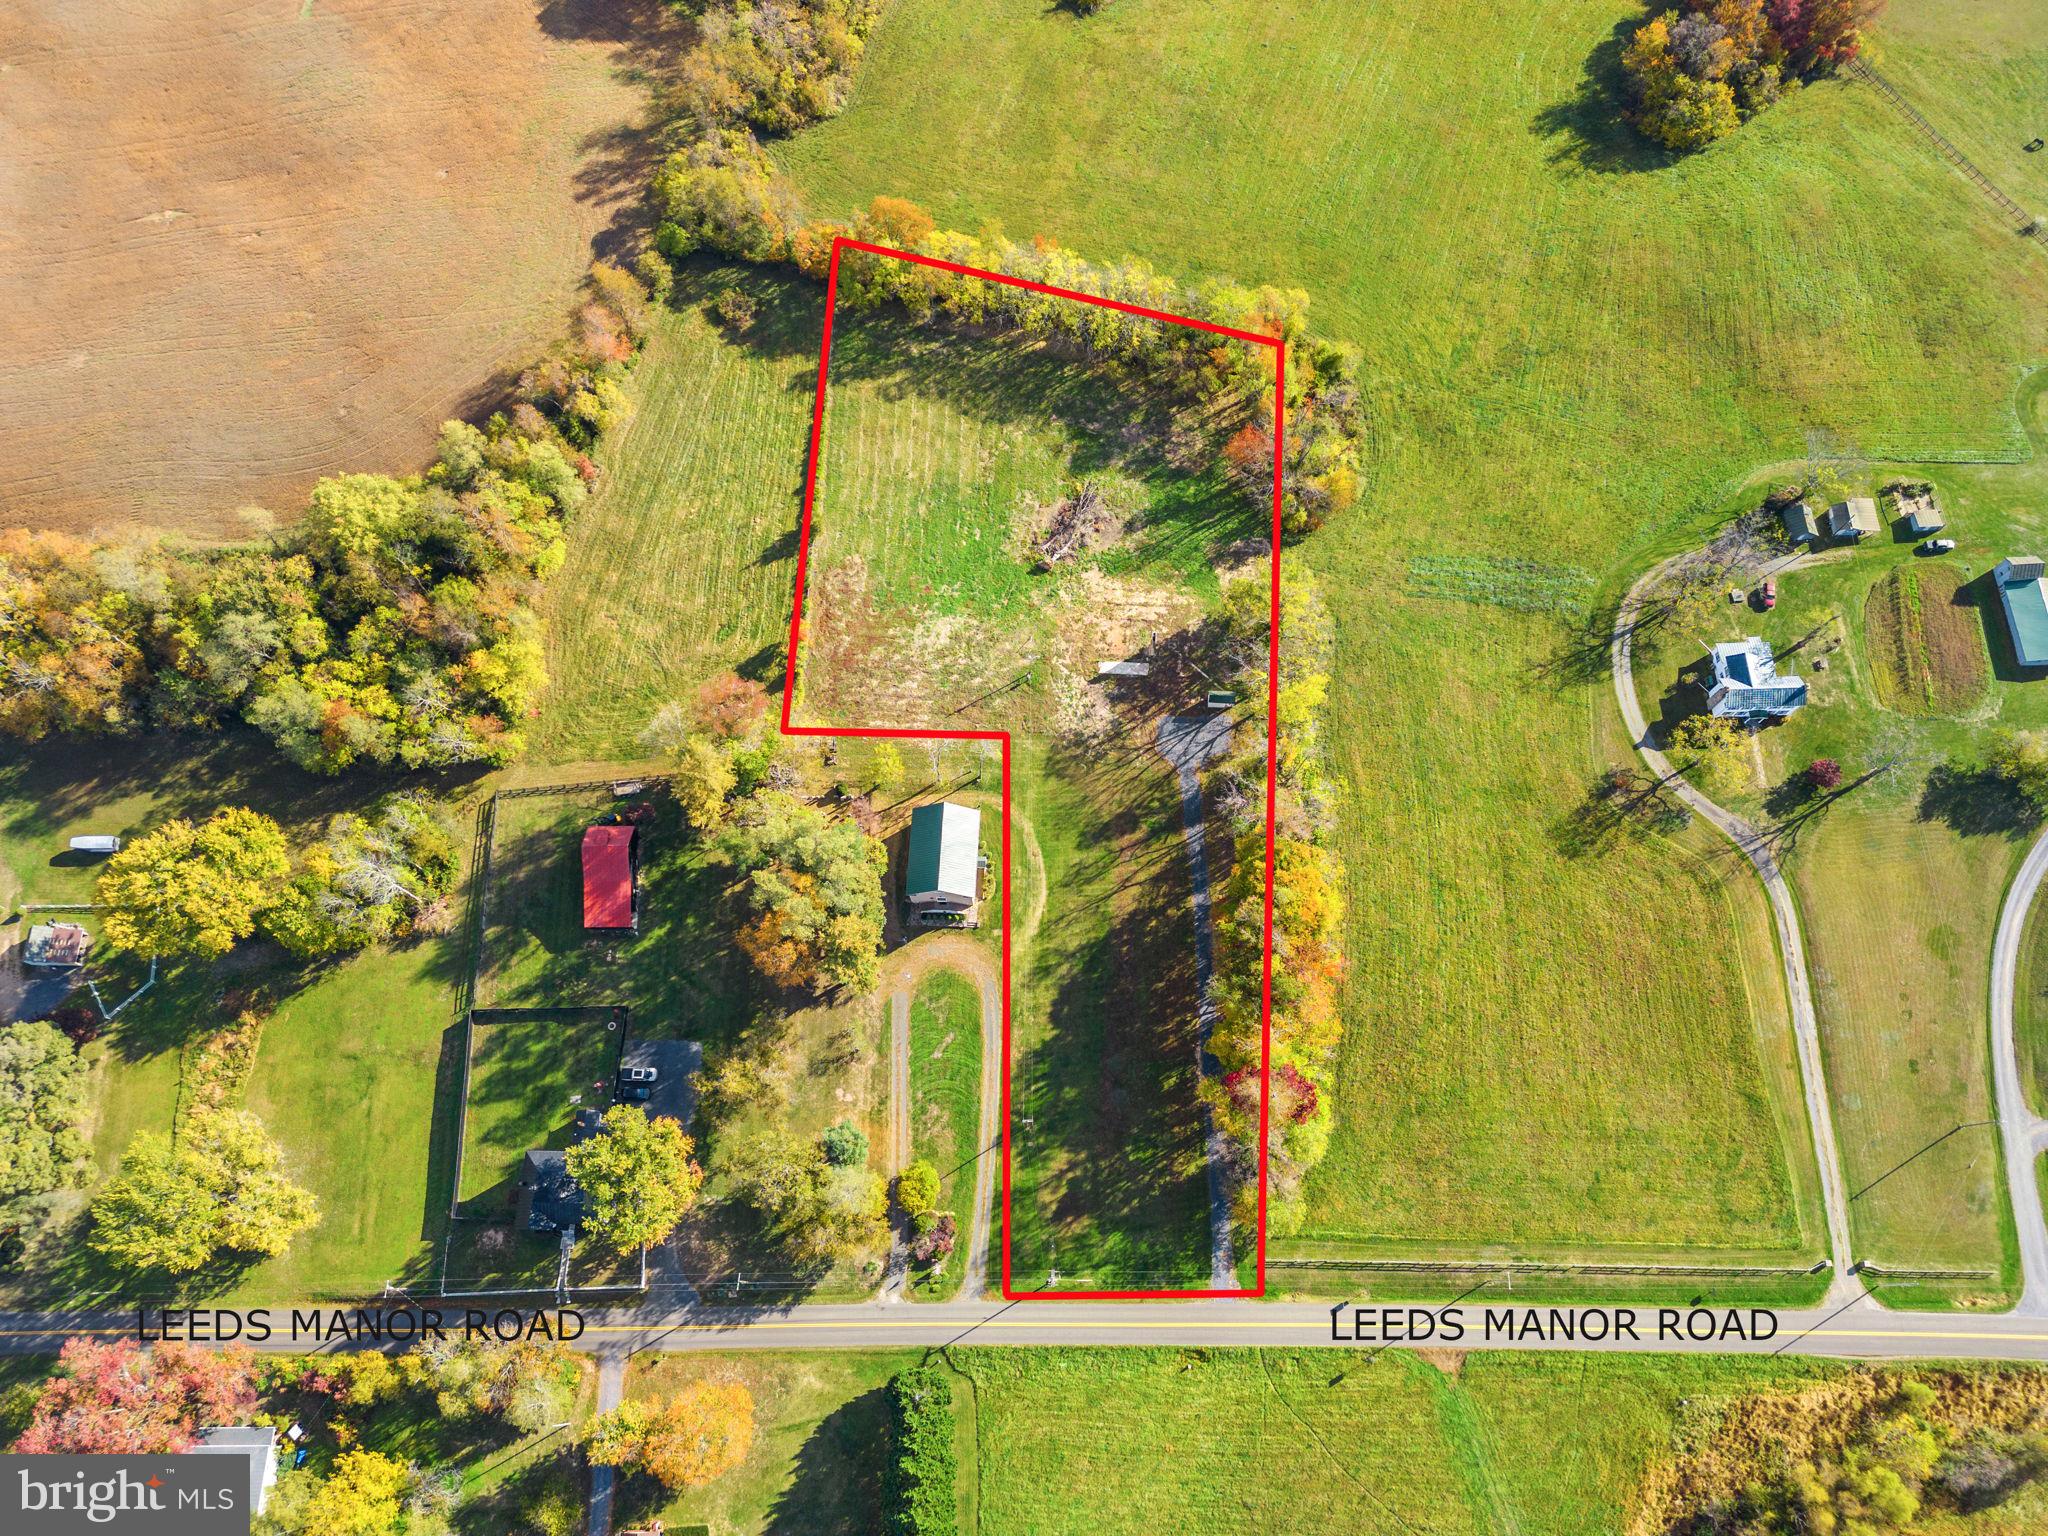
<point x="918" y="1479"/>
<point x="845" y="1145"/>
<point x="734" y="308"/>
<point x="656" y="273"/>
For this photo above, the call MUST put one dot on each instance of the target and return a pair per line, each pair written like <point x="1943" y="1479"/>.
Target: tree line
<point x="393" y="626"/>
<point x="1308" y="903"/>
<point x="721" y="191"/>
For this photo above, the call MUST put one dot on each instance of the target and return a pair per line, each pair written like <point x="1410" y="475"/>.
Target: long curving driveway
<point x="907" y="967"/>
<point x="1798" y="988"/>
<point x="2025" y="1134"/>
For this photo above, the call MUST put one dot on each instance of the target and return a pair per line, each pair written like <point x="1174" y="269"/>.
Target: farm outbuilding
<point x="1853" y="519"/>
<point x="942" y="878"/>
<point x="611" y="898"/>
<point x="2025" y="601"/>
<point x="1747" y="684"/>
<point x="1921" y="512"/>
<point x="1799" y="524"/>
<point x="56" y="946"/>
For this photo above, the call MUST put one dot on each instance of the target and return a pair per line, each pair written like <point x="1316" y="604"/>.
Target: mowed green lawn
<point x="816" y="1464"/>
<point x="925" y="608"/>
<point x="1100" y="1442"/>
<point x="356" y="1075"/>
<point x="684" y="563"/>
<point x="945" y="1099"/>
<point x="527" y="1079"/>
<point x="1900" y="880"/>
<point x="356" y="1078"/>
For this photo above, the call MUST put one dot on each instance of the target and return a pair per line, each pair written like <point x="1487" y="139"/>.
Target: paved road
<point x="1861" y="1330"/>
<point x="2025" y="1134"/>
<point x="1791" y="945"/>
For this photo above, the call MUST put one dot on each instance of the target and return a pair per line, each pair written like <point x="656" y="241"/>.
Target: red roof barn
<point x="608" y="902"/>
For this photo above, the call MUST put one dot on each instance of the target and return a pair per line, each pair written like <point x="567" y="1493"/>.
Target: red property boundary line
<point x="840" y="246"/>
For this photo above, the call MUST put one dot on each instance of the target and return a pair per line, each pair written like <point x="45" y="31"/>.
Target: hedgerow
<point x="1308" y="906"/>
<point x="919" y="1477"/>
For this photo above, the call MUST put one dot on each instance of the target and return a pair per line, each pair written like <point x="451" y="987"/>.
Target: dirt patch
<point x="933" y="671"/>
<point x="1924" y="641"/>
<point x="1102" y="618"/>
<point x="243" y="246"/>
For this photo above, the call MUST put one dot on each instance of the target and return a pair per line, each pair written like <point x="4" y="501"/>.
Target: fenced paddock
<point x="526" y="1071"/>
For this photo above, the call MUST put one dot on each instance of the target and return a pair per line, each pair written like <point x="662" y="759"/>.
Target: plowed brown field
<point x="244" y="243"/>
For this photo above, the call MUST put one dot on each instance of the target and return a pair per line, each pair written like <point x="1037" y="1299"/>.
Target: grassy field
<point x="357" y="1069"/>
<point x="2030" y="1008"/>
<point x="945" y="1098"/>
<point x="1591" y="345"/>
<point x="684" y="563"/>
<point x="815" y="1467"/>
<point x="1107" y="1441"/>
<point x="677" y="973"/>
<point x="356" y="1078"/>
<point x="925" y="608"/>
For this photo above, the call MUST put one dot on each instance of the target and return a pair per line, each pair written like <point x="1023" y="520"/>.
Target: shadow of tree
<point x="1116" y="1137"/>
<point x="1586" y="128"/>
<point x="1619" y="806"/>
<point x="647" y="41"/>
<point x="835" y="1486"/>
<point x="1975" y="802"/>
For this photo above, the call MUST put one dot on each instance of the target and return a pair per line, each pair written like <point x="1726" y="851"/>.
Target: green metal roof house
<point x="2026" y="608"/>
<point x="942" y="877"/>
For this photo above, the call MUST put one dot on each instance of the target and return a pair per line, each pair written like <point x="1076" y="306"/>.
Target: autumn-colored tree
<point x="885" y="766"/>
<point x="112" y="1398"/>
<point x="1790" y="20"/>
<point x="218" y="1188"/>
<point x="73" y="644"/>
<point x="526" y="1384"/>
<point x="917" y="1188"/>
<point x="2021" y="759"/>
<point x="363" y="1494"/>
<point x="43" y="1109"/>
<point x="684" y="1441"/>
<point x="1834" y="31"/>
<point x="637" y="1178"/>
<point x="730" y="705"/>
<point x="815" y="891"/>
<point x="1823" y="773"/>
<point x="702" y="779"/>
<point x="1709" y="747"/>
<point x="183" y="890"/>
<point x="816" y="1213"/>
